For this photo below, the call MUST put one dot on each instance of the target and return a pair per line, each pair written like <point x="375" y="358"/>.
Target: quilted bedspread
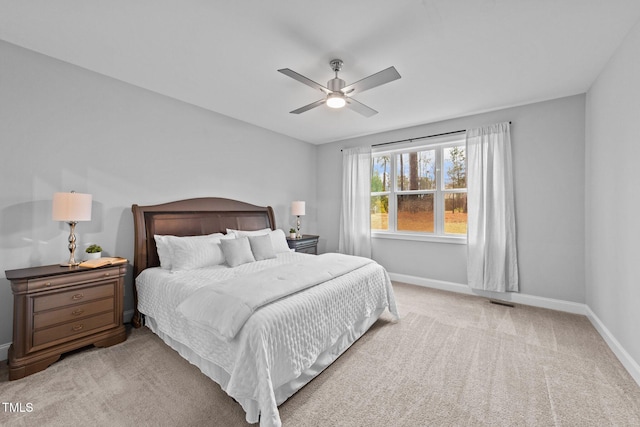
<point x="224" y="307"/>
<point x="279" y="341"/>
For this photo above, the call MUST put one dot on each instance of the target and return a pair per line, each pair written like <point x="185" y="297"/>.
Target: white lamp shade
<point x="297" y="208"/>
<point x="71" y="207"/>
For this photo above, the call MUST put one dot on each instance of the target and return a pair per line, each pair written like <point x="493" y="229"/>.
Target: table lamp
<point x="71" y="208"/>
<point x="297" y="209"/>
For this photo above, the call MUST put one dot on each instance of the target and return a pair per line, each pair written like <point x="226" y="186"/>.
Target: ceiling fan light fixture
<point x="335" y="100"/>
<point x="338" y="95"/>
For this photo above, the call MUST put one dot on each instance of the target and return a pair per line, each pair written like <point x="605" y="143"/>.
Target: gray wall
<point x="64" y="128"/>
<point x="548" y="162"/>
<point x="612" y="203"/>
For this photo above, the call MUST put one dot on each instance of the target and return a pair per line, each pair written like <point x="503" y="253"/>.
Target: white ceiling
<point x="456" y="57"/>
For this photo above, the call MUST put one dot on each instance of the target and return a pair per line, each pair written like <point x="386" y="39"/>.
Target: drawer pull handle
<point x="47" y="284"/>
<point x="106" y="274"/>
<point x="78" y="327"/>
<point x="77" y="297"/>
<point x="77" y="312"/>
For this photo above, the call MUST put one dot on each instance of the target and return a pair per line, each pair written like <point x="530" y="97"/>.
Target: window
<point x="420" y="190"/>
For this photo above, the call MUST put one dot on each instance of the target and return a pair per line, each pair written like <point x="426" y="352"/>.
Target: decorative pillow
<point x="279" y="241"/>
<point x="237" y="251"/>
<point x="278" y="238"/>
<point x="190" y="252"/>
<point x="261" y="247"/>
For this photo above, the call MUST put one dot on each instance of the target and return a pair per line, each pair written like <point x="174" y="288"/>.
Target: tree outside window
<point x="421" y="190"/>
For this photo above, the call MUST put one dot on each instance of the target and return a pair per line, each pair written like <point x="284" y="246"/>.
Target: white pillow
<point x="279" y="241"/>
<point x="190" y="252"/>
<point x="243" y="233"/>
<point x="164" y="251"/>
<point x="237" y="251"/>
<point x="261" y="247"/>
<point x="278" y="238"/>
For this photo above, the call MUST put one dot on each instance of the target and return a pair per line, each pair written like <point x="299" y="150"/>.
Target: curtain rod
<point x="419" y="137"/>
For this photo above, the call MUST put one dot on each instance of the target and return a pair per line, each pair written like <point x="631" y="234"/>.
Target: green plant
<point x="93" y="249"/>
<point x="292" y="230"/>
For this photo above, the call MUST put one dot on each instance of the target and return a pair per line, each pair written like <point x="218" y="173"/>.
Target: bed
<point x="263" y="354"/>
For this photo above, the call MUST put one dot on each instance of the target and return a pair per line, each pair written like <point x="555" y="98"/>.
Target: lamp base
<point x="67" y="264"/>
<point x="72" y="246"/>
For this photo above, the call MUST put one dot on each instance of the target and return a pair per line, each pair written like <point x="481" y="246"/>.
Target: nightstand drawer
<point x="307" y="249"/>
<point x="72" y="313"/>
<point x="61" y="299"/>
<point x="306" y="245"/>
<point x="64" y="280"/>
<point x="71" y="329"/>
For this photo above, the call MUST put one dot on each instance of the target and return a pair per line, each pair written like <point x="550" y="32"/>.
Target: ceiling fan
<point x="338" y="94"/>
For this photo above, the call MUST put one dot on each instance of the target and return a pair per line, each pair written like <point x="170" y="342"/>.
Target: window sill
<point x="455" y="240"/>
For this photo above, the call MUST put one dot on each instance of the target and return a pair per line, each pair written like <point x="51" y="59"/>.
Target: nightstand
<point x="307" y="244"/>
<point x="58" y="309"/>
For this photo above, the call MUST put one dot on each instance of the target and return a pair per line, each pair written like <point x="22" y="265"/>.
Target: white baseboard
<point x="625" y="358"/>
<point x="4" y="351"/>
<point x="518" y="298"/>
<point x="570" y="307"/>
<point x="4" y="348"/>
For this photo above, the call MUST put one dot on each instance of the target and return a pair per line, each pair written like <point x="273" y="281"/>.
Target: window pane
<point x="455" y="213"/>
<point x="455" y="170"/>
<point x="415" y="213"/>
<point x="380" y="172"/>
<point x="416" y="170"/>
<point x="380" y="212"/>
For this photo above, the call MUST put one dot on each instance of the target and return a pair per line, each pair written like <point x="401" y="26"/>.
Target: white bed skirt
<point x="283" y="392"/>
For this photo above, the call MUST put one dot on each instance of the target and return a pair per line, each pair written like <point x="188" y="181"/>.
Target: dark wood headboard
<point x="191" y="217"/>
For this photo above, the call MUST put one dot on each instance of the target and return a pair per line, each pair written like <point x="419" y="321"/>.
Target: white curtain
<point x="492" y="263"/>
<point x="355" y="217"/>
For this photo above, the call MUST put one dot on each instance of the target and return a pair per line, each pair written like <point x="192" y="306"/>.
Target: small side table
<point x="307" y="244"/>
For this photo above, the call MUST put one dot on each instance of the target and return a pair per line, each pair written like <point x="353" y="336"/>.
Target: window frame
<point x="439" y="144"/>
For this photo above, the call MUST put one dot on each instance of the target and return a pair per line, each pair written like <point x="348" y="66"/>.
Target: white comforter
<point x="280" y="340"/>
<point x="224" y="307"/>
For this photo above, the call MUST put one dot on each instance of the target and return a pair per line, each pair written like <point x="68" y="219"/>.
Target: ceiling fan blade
<point x="308" y="107"/>
<point x="359" y="107"/>
<point x="385" y="76"/>
<point x="303" y="79"/>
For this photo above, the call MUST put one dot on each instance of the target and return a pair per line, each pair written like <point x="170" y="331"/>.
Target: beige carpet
<point x="451" y="360"/>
